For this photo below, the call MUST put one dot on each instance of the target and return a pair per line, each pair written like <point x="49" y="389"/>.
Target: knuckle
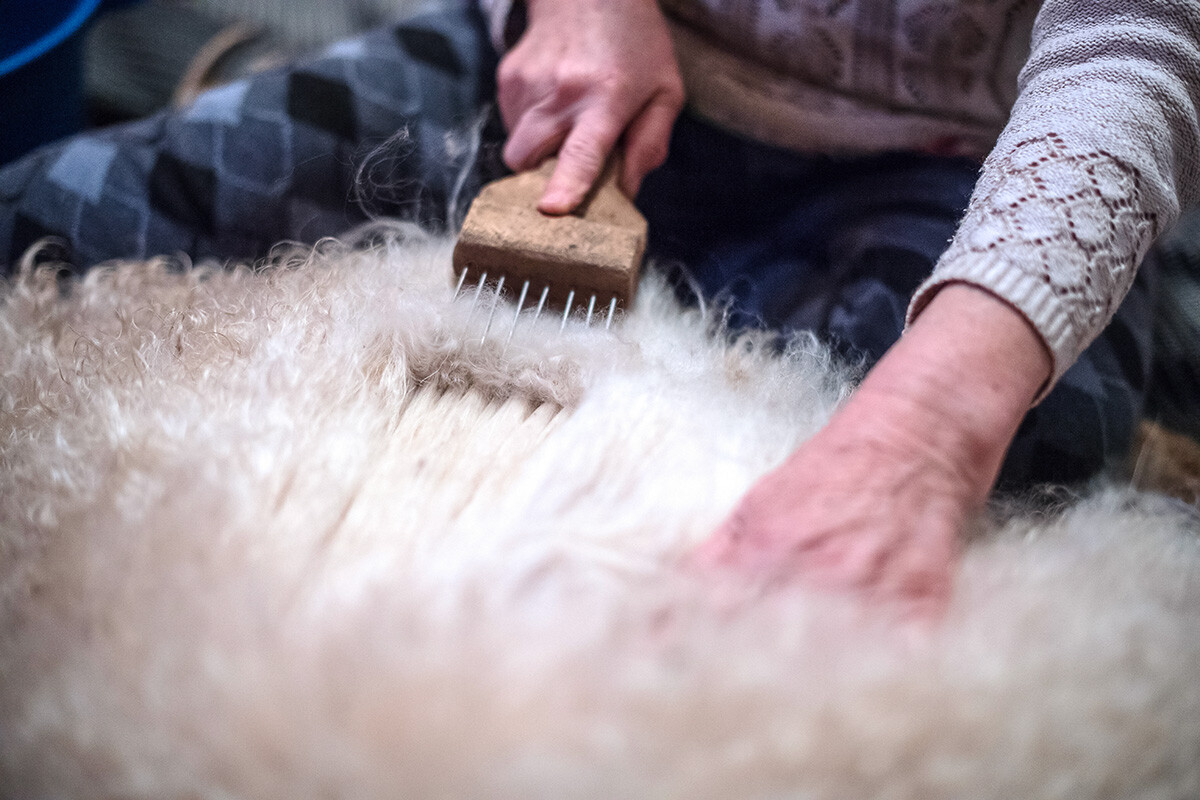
<point x="610" y="82"/>
<point x="575" y="82"/>
<point x="506" y="72"/>
<point x="672" y="92"/>
<point x="669" y="110"/>
<point x="675" y="84"/>
<point x="582" y="155"/>
<point x="512" y="74"/>
<point x="574" y="85"/>
<point x="654" y="155"/>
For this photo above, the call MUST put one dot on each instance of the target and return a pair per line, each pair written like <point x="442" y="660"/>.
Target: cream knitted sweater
<point x="1086" y="109"/>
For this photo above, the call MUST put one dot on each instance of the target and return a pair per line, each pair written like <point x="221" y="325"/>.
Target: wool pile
<point x="295" y="531"/>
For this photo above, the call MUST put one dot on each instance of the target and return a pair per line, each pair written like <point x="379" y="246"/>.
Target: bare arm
<point x="875" y="503"/>
<point x="1102" y="146"/>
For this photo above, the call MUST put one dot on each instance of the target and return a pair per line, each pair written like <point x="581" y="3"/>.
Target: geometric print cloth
<point x="365" y="129"/>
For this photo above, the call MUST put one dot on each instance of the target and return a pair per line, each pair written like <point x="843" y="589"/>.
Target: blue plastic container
<point x="41" y="71"/>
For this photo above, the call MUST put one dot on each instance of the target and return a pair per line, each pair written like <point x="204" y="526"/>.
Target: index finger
<point x="581" y="159"/>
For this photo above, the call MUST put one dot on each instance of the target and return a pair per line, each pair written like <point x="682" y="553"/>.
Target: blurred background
<point x="70" y="64"/>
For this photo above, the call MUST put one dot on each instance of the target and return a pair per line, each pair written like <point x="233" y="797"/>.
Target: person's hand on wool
<point x="876" y="502"/>
<point x="585" y="75"/>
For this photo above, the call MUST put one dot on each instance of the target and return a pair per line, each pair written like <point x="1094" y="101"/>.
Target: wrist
<point x="958" y="383"/>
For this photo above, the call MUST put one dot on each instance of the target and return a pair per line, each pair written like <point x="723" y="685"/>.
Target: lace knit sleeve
<point x="1099" y="154"/>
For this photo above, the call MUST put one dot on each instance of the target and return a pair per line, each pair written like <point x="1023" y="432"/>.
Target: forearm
<point x="875" y="503"/>
<point x="956" y="385"/>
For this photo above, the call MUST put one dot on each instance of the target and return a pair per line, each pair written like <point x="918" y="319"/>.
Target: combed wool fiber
<point x="293" y="532"/>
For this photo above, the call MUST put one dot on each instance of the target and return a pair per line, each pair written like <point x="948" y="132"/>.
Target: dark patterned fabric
<point x="381" y="125"/>
<point x="372" y="127"/>
<point x="1174" y="394"/>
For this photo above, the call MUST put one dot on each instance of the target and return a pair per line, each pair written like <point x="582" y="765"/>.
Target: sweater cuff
<point x="1032" y="297"/>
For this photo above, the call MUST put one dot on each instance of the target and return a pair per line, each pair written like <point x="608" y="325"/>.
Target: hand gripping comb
<point x="590" y="257"/>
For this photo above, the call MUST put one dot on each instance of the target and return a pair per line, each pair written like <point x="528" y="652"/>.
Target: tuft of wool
<point x="294" y="532"/>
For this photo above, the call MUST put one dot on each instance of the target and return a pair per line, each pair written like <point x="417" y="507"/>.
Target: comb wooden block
<point x="596" y="250"/>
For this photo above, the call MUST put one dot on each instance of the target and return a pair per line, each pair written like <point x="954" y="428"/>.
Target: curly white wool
<point x="290" y="533"/>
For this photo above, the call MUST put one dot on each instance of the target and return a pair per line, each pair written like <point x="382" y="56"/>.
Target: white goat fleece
<point x="293" y="532"/>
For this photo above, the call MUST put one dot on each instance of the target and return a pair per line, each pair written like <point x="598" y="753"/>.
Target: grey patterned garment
<point x="363" y="130"/>
<point x="856" y="75"/>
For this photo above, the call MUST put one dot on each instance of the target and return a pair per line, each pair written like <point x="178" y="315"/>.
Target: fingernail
<point x="555" y="203"/>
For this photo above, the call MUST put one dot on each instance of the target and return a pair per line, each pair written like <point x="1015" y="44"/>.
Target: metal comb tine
<point x="516" y="316"/>
<point x="567" y="310"/>
<point x="461" y="279"/>
<point x="612" y="309"/>
<point x="541" y="302"/>
<point x="591" y="308"/>
<point x="492" y="314"/>
<point x="475" y="299"/>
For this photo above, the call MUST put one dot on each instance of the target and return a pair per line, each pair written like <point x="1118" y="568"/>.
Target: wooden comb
<point x="591" y="256"/>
